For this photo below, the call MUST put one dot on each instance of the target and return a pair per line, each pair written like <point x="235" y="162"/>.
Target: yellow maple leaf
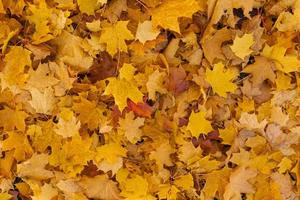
<point x="186" y="181"/>
<point x="121" y="91"/>
<point x="198" y="124"/>
<point x="220" y="80"/>
<point x="72" y="156"/>
<point x="109" y="157"/>
<point x="11" y="119"/>
<point x="285" y="63"/>
<point x="5" y="196"/>
<point x="166" y="15"/>
<point x="228" y="134"/>
<point x="6" y="163"/>
<point x="68" y="124"/>
<point x="19" y="143"/>
<point x="167" y="191"/>
<point x="283" y="81"/>
<point x="127" y="71"/>
<point x="134" y="187"/>
<point x="40" y="16"/>
<point x="88" y="6"/>
<point x="162" y="155"/>
<point x="241" y="45"/>
<point x="13" y="72"/>
<point x="89" y="113"/>
<point x="131" y="127"/>
<point x="114" y="37"/>
<point x="284" y="165"/>
<point x="2" y="8"/>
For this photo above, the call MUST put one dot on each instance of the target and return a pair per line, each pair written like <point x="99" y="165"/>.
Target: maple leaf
<point x="11" y="119"/>
<point x="155" y="84"/>
<point x="166" y="15"/>
<point x="131" y="127"/>
<point x="250" y="122"/>
<point x="41" y="78"/>
<point x="114" y="37"/>
<point x="198" y="124"/>
<point x="6" y="164"/>
<point x="146" y="32"/>
<point x="42" y="102"/>
<point x="215" y="181"/>
<point x="46" y="192"/>
<point x="239" y="183"/>
<point x="261" y="70"/>
<point x="135" y="187"/>
<point x="35" y="168"/>
<point x="40" y="16"/>
<point x="5" y="196"/>
<point x="109" y="157"/>
<point x="88" y="7"/>
<point x="121" y="91"/>
<point x="162" y="155"/>
<point x="220" y="80"/>
<point x="67" y="125"/>
<point x="186" y="181"/>
<point x="72" y="156"/>
<point x="285" y="63"/>
<point x="212" y="46"/>
<point x="70" y="50"/>
<point x="2" y="8"/>
<point x="241" y="45"/>
<point x="228" y="134"/>
<point x="19" y="143"/>
<point x="99" y="187"/>
<point x="89" y="113"/>
<point x="13" y="72"/>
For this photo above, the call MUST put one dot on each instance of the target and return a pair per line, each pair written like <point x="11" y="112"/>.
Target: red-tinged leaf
<point x="140" y="109"/>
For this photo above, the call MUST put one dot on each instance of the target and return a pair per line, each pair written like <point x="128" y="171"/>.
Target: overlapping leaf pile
<point x="149" y="99"/>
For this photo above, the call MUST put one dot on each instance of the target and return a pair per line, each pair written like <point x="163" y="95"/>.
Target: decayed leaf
<point x="220" y="81"/>
<point x="114" y="37"/>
